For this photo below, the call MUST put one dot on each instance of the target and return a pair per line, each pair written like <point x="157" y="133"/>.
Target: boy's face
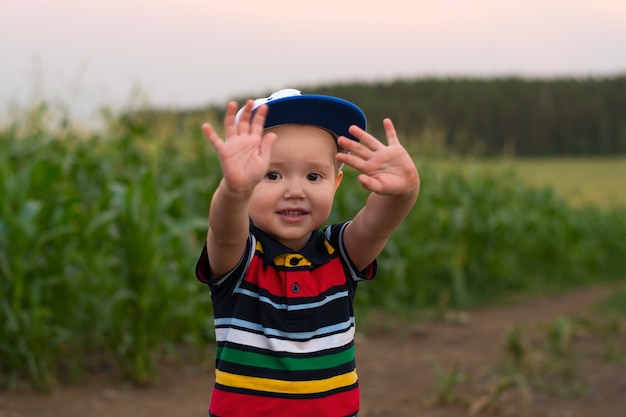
<point x="296" y="195"/>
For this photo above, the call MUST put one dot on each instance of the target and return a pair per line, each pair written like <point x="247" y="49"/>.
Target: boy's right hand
<point x="245" y="154"/>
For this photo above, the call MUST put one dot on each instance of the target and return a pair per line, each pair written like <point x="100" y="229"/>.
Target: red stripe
<point x="227" y="404"/>
<point x="310" y="283"/>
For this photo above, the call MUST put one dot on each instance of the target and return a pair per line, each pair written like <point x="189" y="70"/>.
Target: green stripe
<point x="285" y="363"/>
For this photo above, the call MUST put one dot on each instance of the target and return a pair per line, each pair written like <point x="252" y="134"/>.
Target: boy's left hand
<point x="385" y="169"/>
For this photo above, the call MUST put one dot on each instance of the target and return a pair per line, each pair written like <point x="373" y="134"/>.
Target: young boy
<point x="282" y="285"/>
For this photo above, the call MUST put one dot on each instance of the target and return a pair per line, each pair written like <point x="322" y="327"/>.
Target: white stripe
<point x="356" y="276"/>
<point x="243" y="337"/>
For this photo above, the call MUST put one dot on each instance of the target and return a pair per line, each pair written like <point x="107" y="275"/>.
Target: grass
<point x="580" y="181"/>
<point x="540" y="361"/>
<point x="615" y="305"/>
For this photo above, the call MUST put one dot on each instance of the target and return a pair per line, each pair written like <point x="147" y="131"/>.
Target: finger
<point x="365" y="138"/>
<point x="351" y="160"/>
<point x="355" y="148"/>
<point x="266" y="143"/>
<point x="230" y="127"/>
<point x="390" y="131"/>
<point x="258" y="121"/>
<point x="347" y="143"/>
<point x="212" y="136"/>
<point x="243" y="124"/>
<point x="370" y="184"/>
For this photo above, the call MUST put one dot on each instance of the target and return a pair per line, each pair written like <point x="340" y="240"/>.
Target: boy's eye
<point x="314" y="176"/>
<point x="272" y="176"/>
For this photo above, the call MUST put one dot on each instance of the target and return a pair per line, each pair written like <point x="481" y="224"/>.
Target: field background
<point x="100" y="230"/>
<point x="580" y="181"/>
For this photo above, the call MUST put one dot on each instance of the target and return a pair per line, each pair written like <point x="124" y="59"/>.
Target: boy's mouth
<point x="292" y="213"/>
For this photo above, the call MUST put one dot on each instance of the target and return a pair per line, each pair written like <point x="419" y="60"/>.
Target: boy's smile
<point x="293" y="214"/>
<point x="297" y="193"/>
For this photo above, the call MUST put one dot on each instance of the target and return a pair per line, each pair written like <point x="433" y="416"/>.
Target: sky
<point x="82" y="55"/>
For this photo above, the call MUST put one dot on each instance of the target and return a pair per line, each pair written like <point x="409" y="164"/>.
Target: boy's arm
<point x="389" y="173"/>
<point x="244" y="157"/>
<point x="228" y="230"/>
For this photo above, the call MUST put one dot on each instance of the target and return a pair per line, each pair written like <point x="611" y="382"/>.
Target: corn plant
<point x="35" y="221"/>
<point x="100" y="231"/>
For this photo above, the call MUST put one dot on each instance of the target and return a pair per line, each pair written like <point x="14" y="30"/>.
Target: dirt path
<point x="396" y="368"/>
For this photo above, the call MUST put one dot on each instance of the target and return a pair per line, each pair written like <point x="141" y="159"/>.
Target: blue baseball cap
<point x="290" y="106"/>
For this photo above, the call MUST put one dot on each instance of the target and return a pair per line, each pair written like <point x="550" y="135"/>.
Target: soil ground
<point x="570" y="363"/>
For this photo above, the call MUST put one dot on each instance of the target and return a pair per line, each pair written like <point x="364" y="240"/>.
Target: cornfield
<point x="100" y="232"/>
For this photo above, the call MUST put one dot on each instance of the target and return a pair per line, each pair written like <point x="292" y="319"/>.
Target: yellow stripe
<point x="329" y="248"/>
<point x="284" y="387"/>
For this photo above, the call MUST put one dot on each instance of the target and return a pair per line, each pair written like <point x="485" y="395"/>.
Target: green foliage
<point x="100" y="232"/>
<point x="482" y="235"/>
<point x="98" y="240"/>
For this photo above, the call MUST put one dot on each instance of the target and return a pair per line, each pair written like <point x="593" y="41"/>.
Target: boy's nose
<point x="294" y="189"/>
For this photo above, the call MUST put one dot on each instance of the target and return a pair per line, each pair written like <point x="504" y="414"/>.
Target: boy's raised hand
<point x="385" y="169"/>
<point x="245" y="154"/>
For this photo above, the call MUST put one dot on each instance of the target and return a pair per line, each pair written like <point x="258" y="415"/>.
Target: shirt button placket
<point x="294" y="260"/>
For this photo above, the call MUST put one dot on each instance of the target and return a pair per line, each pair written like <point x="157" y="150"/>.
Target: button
<point x="295" y="287"/>
<point x="294" y="261"/>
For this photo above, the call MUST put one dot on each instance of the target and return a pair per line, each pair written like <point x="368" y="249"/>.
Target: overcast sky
<point x="188" y="53"/>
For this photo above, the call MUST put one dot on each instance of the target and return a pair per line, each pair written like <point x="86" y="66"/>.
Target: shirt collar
<point x="315" y="250"/>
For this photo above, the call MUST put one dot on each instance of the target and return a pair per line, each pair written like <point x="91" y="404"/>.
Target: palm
<point x="385" y="169"/>
<point x="245" y="154"/>
<point x="243" y="163"/>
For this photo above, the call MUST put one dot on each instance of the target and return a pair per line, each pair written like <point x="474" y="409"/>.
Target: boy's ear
<point x="338" y="179"/>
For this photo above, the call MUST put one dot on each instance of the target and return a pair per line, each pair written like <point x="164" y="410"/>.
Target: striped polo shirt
<point x="284" y="325"/>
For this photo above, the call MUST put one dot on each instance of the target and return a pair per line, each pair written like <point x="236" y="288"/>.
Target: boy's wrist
<point x="409" y="195"/>
<point x="235" y="190"/>
<point x="234" y="194"/>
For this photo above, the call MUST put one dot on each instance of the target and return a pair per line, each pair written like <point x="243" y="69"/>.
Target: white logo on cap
<point x="285" y="92"/>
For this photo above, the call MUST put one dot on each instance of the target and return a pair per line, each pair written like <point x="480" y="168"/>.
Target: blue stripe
<point x="257" y="328"/>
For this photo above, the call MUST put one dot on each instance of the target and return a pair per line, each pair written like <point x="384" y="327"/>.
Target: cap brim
<point x="331" y="113"/>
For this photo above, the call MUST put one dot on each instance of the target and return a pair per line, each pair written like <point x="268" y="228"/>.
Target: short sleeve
<point x="203" y="267"/>
<point x="334" y="235"/>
